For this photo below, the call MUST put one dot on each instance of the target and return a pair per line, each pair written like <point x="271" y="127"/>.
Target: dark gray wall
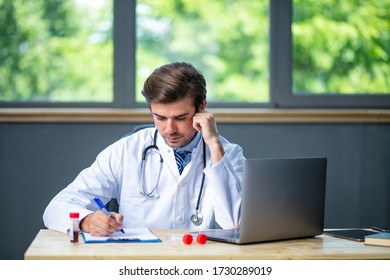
<point x="38" y="160"/>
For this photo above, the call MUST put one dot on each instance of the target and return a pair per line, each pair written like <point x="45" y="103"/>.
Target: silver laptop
<point x="281" y="199"/>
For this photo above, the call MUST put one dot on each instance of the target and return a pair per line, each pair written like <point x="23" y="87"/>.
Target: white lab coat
<point x="116" y="173"/>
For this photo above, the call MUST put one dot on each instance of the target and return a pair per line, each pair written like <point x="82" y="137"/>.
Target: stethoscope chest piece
<point x="197" y="218"/>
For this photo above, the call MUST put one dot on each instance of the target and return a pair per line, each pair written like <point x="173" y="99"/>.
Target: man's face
<point x="174" y="121"/>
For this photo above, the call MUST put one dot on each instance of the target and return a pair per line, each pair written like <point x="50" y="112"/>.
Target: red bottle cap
<point x="201" y="238"/>
<point x="74" y="215"/>
<point x="187" y="239"/>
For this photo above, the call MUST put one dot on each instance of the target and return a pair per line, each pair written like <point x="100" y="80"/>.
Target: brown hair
<point x="172" y="82"/>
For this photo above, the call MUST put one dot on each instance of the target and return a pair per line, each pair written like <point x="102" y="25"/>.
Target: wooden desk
<point x="54" y="245"/>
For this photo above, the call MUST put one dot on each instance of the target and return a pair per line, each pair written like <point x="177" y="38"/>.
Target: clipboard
<point x="131" y="235"/>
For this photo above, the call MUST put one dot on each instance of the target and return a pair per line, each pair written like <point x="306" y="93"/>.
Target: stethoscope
<point x="196" y="217"/>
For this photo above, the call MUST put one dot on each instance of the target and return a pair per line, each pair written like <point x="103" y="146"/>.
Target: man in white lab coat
<point x="202" y="191"/>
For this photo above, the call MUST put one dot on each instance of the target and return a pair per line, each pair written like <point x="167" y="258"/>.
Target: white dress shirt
<point x="116" y="173"/>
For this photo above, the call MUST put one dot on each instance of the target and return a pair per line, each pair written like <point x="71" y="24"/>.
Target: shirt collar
<point x="191" y="145"/>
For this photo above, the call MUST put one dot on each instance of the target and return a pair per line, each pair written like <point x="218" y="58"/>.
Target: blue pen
<point x="104" y="209"/>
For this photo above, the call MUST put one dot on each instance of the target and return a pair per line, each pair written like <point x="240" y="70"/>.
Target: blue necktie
<point x="182" y="159"/>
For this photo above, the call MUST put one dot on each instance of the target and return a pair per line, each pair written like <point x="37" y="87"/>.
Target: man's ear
<point x="203" y="106"/>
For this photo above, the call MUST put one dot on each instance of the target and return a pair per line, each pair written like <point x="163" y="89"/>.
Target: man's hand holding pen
<point x="99" y="224"/>
<point x="102" y="222"/>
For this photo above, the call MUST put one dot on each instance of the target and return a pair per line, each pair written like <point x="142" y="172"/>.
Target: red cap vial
<point x="187" y="239"/>
<point x="74" y="215"/>
<point x="201" y="238"/>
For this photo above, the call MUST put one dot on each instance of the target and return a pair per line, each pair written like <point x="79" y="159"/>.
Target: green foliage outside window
<point x="55" y="51"/>
<point x="59" y="50"/>
<point x="341" y="46"/>
<point x="227" y="40"/>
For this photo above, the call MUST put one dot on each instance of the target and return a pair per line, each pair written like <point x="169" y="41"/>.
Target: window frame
<point x="280" y="70"/>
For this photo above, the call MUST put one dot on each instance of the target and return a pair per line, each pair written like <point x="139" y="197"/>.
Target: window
<point x="254" y="53"/>
<point x="341" y="47"/>
<point x="56" y="51"/>
<point x="316" y="64"/>
<point x="227" y="40"/>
